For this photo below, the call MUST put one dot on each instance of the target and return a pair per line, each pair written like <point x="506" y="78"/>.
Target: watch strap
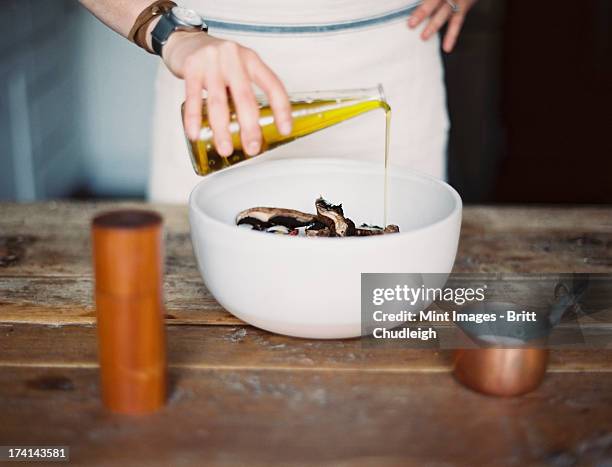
<point x="138" y="33"/>
<point x="161" y="33"/>
<point x="167" y="24"/>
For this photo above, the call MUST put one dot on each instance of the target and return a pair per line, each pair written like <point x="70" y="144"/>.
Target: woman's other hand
<point x="219" y="67"/>
<point x="439" y="12"/>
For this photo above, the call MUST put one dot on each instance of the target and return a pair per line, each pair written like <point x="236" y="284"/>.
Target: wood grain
<point x="56" y="237"/>
<point x="244" y="347"/>
<point x="254" y="417"/>
<point x="49" y="278"/>
<point x="243" y="396"/>
<point x="69" y="300"/>
<point x="501" y="239"/>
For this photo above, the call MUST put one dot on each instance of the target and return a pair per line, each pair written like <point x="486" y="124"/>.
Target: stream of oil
<point x="309" y="116"/>
<point x="387" y="110"/>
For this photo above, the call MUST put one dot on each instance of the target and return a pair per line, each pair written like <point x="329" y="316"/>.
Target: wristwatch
<point x="176" y="19"/>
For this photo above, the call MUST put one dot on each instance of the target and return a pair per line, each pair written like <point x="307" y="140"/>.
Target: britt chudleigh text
<point x="405" y="333"/>
<point x="413" y="295"/>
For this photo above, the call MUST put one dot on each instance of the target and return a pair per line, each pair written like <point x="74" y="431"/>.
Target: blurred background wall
<point x="75" y="104"/>
<point x="117" y="83"/>
<point x="528" y="95"/>
<point x="39" y="122"/>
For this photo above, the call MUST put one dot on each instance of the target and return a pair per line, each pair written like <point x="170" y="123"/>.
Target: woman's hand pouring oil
<point x="310" y="111"/>
<point x="227" y="71"/>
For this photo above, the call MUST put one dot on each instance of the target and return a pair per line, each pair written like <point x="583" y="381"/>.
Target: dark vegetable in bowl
<point x="329" y="221"/>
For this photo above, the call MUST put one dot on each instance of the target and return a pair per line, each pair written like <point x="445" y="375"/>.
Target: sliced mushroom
<point x="328" y="222"/>
<point x="365" y="230"/>
<point x="392" y="228"/>
<point x="333" y="217"/>
<point x="262" y="218"/>
<point x="318" y="229"/>
<point x="278" y="229"/>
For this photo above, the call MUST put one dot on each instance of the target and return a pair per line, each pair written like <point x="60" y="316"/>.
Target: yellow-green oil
<point x="308" y="117"/>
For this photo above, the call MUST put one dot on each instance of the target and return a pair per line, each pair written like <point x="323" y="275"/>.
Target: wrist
<point x="173" y="22"/>
<point x="183" y="40"/>
<point x="151" y="14"/>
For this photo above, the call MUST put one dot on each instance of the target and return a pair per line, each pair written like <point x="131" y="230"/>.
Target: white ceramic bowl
<point x="310" y="287"/>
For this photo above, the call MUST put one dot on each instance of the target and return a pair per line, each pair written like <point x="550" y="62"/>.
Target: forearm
<point x="118" y="15"/>
<point x="205" y="62"/>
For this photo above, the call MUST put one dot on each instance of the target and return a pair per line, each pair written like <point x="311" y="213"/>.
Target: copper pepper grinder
<point x="499" y="371"/>
<point x="512" y="357"/>
<point x="128" y="265"/>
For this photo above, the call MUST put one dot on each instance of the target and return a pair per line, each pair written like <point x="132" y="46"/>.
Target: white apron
<point x="321" y="45"/>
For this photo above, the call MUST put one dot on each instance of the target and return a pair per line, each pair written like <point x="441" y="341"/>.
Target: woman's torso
<point x="295" y="12"/>
<point x="363" y="45"/>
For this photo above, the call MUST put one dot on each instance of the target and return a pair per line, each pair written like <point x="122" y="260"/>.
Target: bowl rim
<point x="194" y="206"/>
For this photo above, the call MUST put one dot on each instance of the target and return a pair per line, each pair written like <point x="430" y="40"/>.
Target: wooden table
<point x="245" y="396"/>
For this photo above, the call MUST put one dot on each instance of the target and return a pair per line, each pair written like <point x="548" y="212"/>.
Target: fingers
<point x="247" y="109"/>
<point x="437" y="21"/>
<point x="440" y="12"/>
<point x="193" y="107"/>
<point x="205" y="62"/>
<point x="424" y="11"/>
<point x="218" y="113"/>
<point x="269" y="83"/>
<point x="452" y="32"/>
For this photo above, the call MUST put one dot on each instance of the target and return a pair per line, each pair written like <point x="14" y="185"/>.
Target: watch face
<point x="187" y="16"/>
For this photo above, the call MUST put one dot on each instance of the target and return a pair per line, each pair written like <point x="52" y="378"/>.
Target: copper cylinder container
<point x="128" y="266"/>
<point x="499" y="371"/>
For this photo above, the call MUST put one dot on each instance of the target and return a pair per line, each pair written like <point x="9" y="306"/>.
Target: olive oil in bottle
<point x="311" y="112"/>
